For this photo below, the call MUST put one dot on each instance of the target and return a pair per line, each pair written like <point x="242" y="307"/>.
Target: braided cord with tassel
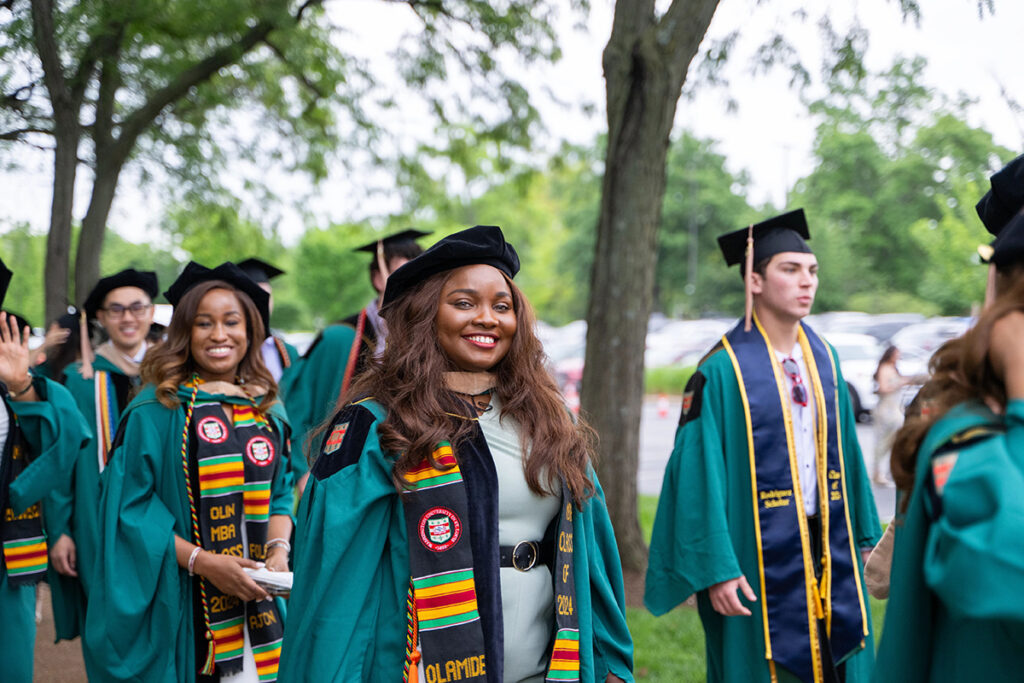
<point x="196" y="536"/>
<point x="410" y="673"/>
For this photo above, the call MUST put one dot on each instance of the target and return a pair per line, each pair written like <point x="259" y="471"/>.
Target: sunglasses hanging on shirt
<point x="792" y="370"/>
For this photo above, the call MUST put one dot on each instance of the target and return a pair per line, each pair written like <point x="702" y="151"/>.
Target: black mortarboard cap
<point x="5" y="280"/>
<point x="1008" y="247"/>
<point x="1006" y="197"/>
<point x="787" y="232"/>
<point x="143" y="279"/>
<point x="228" y="272"/>
<point x="20" y="319"/>
<point x="408" y="235"/>
<point x="259" y="271"/>
<point x="480" y="244"/>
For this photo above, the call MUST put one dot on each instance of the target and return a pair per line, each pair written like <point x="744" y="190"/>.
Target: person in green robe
<point x="278" y="355"/>
<point x="122" y="305"/>
<point x="955" y="609"/>
<point x="766" y="508"/>
<point x="40" y="435"/>
<point x="315" y="383"/>
<point x="198" y="488"/>
<point x="452" y="527"/>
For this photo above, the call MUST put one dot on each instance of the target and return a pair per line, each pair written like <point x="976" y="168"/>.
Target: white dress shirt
<point x="803" y="432"/>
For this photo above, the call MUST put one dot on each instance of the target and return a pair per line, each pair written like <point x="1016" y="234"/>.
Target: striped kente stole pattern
<point x="24" y="544"/>
<point x="565" y="657"/>
<point x="105" y="398"/>
<point x="26" y="556"/>
<point x="236" y="461"/>
<point x="444" y="605"/>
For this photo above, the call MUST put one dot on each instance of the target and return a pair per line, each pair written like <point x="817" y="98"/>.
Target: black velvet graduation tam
<point x="228" y="272"/>
<point x="5" y="280"/>
<point x="481" y="244"/>
<point x="408" y="235"/>
<point x="143" y="279"/>
<point x="1008" y="247"/>
<point x="787" y="232"/>
<point x="259" y="271"/>
<point x="1005" y="199"/>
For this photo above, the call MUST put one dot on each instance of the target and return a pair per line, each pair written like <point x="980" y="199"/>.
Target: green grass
<point x="669" y="380"/>
<point x="670" y="648"/>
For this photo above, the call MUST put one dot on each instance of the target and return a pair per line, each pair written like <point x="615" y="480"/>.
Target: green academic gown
<point x="55" y="432"/>
<point x="76" y="514"/>
<point x="139" y="625"/>
<point x="348" y="603"/>
<point x="704" y="531"/>
<point x="312" y="385"/>
<point x="956" y="597"/>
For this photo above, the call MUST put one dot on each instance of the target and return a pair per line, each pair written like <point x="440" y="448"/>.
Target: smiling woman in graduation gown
<point x="201" y="486"/>
<point x="472" y="560"/>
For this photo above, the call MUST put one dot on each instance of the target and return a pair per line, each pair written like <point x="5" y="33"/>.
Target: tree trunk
<point x="94" y="224"/>
<point x="58" y="241"/>
<point x="645" y="64"/>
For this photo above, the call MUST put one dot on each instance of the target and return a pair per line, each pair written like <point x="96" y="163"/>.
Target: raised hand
<point x="14" y="354"/>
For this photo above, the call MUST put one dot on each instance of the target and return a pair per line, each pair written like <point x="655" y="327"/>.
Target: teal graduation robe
<point x="55" y="432"/>
<point x="76" y="513"/>
<point x="704" y="530"/>
<point x="311" y="388"/>
<point x="348" y="603"/>
<point x="956" y="596"/>
<point x="139" y="624"/>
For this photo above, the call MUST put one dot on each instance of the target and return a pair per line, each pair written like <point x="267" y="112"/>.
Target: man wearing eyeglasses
<point x="766" y="508"/>
<point x="102" y="386"/>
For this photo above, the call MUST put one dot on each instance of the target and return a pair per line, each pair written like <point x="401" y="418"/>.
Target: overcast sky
<point x="769" y="135"/>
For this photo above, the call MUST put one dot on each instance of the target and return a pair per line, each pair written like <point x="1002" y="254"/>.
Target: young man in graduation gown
<point x="323" y="374"/>
<point x="41" y="432"/>
<point x="278" y="355"/>
<point x="122" y="304"/>
<point x="766" y="505"/>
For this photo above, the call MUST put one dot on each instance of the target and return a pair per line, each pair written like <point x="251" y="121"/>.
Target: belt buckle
<point x="532" y="552"/>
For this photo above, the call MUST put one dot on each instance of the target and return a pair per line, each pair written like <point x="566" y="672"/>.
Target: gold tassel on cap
<point x="86" y="349"/>
<point x="748" y="272"/>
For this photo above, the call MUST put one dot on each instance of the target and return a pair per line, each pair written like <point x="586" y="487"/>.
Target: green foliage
<point x="24" y="253"/>
<point x="889" y="158"/>
<point x="330" y="280"/>
<point x="669" y="648"/>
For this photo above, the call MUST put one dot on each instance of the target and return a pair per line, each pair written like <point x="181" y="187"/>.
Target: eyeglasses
<point x="799" y="390"/>
<point x="118" y="311"/>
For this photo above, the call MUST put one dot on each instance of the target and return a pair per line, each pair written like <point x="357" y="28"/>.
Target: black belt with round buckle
<point x="524" y="555"/>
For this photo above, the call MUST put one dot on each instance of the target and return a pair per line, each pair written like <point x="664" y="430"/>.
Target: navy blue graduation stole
<point x="792" y="600"/>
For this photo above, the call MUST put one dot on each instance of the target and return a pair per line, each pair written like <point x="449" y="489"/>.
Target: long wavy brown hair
<point x="408" y="380"/>
<point x="170" y="364"/>
<point x="960" y="371"/>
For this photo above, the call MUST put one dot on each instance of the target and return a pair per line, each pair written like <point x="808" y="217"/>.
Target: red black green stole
<point x="236" y="461"/>
<point x="25" y="552"/>
<point x="443" y="611"/>
<point x="792" y="600"/>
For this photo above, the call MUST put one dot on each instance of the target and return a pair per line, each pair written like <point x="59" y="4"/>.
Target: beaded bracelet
<point x="192" y="560"/>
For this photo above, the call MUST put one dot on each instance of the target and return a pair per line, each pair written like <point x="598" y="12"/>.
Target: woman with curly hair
<point x="197" y="490"/>
<point x="956" y="599"/>
<point x="453" y="527"/>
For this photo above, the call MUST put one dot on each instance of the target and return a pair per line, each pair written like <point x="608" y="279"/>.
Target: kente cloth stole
<point x="443" y="588"/>
<point x="236" y="463"/>
<point x="25" y="551"/>
<point x="105" y="399"/>
<point x="792" y="600"/>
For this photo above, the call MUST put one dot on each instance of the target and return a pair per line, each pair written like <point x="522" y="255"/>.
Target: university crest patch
<point x="212" y="430"/>
<point x="440" y="529"/>
<point x="336" y="437"/>
<point x="260" y="451"/>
